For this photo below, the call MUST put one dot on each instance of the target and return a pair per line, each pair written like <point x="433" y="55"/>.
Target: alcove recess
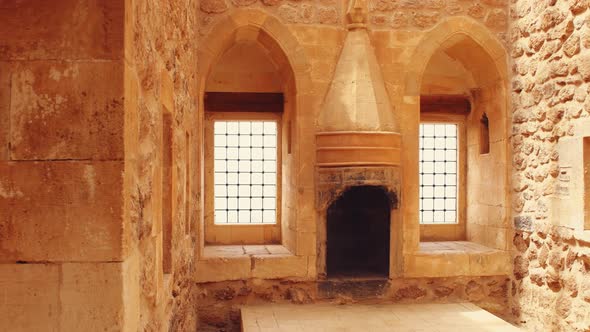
<point x="357" y="152"/>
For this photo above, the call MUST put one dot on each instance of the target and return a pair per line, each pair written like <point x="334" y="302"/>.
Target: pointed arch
<point x="482" y="54"/>
<point x="288" y="56"/>
<point x="453" y="30"/>
<point x="256" y="25"/>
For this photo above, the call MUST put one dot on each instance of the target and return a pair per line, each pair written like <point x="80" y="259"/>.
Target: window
<point x="484" y="139"/>
<point x="439" y="156"/>
<point x="243" y="167"/>
<point x="586" y="170"/>
<point x="167" y="180"/>
<point x="245" y="172"/>
<point x="187" y="185"/>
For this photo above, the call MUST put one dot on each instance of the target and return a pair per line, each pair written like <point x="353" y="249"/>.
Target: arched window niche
<point x="253" y="78"/>
<point x="457" y="75"/>
<point x="245" y="118"/>
<point x="461" y="170"/>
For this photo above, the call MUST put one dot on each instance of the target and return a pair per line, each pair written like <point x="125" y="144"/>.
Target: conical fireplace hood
<point x="356" y="125"/>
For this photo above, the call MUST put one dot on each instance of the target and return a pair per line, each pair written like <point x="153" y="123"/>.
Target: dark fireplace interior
<point x="358" y="234"/>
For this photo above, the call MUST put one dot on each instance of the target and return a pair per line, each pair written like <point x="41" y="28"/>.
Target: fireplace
<point x="359" y="225"/>
<point x="358" y="159"/>
<point x="358" y="233"/>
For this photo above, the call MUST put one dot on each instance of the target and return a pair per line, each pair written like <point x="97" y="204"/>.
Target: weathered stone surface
<point x="423" y="14"/>
<point x="59" y="111"/>
<point x="425" y="19"/>
<point x="550" y="99"/>
<point x="289" y="12"/>
<point x="5" y="84"/>
<point x="476" y="10"/>
<point x="30" y="297"/>
<point x="579" y="6"/>
<point x="90" y="295"/>
<point x="583" y="63"/>
<point x="521" y="267"/>
<point x="399" y="20"/>
<point x="327" y="15"/>
<point x="497" y="19"/>
<point x="214" y="6"/>
<point x="571" y="46"/>
<point x="410" y="292"/>
<point x="523" y="223"/>
<point x="242" y="3"/>
<point x="443" y="291"/>
<point x="385" y="5"/>
<point x="265" y="266"/>
<point x="585" y="291"/>
<point x="307" y="13"/>
<point x="474" y="291"/>
<point x="537" y="276"/>
<point x="379" y="20"/>
<point x="347" y="291"/>
<point x="496" y="3"/>
<point x="215" y="306"/>
<point x="61" y="211"/>
<point x="454" y="8"/>
<point x="162" y="41"/>
<point x="271" y="2"/>
<point x="65" y="29"/>
<point x="551" y="17"/>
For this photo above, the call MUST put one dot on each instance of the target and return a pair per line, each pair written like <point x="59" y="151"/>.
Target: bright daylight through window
<point x="245" y="169"/>
<point x="438" y="173"/>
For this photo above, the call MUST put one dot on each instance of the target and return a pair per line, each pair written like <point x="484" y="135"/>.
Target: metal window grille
<point x="245" y="172"/>
<point x="438" y="173"/>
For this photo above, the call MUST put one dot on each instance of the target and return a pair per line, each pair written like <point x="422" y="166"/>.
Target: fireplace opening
<point x="358" y="224"/>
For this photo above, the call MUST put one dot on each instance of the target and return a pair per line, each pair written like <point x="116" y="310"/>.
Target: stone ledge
<point x="233" y="251"/>
<point x="455" y="259"/>
<point x="238" y="262"/>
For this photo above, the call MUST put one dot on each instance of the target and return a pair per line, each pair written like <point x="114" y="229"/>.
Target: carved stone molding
<point x="332" y="182"/>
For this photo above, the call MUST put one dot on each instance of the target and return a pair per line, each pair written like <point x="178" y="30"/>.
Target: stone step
<point x="449" y="317"/>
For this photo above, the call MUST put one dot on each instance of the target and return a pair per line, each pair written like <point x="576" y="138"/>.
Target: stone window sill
<point x="453" y="247"/>
<point x="233" y="251"/>
<point x="240" y="262"/>
<point x="455" y="259"/>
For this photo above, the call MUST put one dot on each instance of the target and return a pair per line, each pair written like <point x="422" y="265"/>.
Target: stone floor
<point x="394" y="317"/>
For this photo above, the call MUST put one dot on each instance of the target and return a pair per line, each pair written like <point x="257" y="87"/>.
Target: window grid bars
<point x="438" y="173"/>
<point x="245" y="172"/>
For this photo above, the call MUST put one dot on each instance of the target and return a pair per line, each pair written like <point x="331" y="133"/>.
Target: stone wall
<point x="83" y="85"/>
<point x="424" y="14"/>
<point x="62" y="259"/>
<point x="384" y="14"/>
<point x="160" y="78"/>
<point x="325" y="12"/>
<point x="312" y="49"/>
<point x="219" y="303"/>
<point x="551" y="70"/>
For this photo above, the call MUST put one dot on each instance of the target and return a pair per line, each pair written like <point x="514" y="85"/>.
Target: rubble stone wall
<point x="550" y="48"/>
<point x="383" y="14"/>
<point x="219" y="303"/>
<point x="160" y="78"/>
